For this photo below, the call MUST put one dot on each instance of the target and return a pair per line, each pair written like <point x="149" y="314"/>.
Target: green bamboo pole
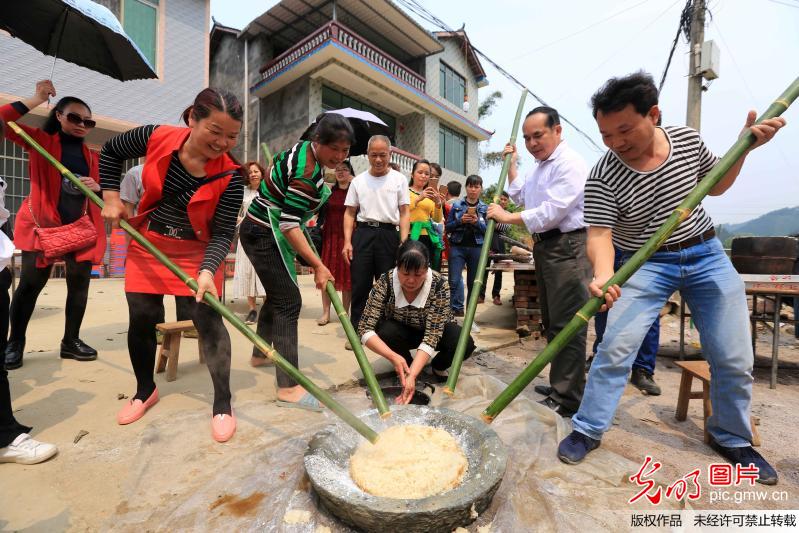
<point x="683" y="211"/>
<point x="368" y="372"/>
<point x="474" y="294"/>
<point x="267" y="154"/>
<point x="213" y="302"/>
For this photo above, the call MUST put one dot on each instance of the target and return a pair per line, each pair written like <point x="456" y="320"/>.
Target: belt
<point x="373" y="224"/>
<point x="687" y="243"/>
<point x="166" y="230"/>
<point x="538" y="237"/>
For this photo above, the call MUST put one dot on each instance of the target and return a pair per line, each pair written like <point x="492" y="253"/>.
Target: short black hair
<point x="436" y="167"/>
<point x="474" y="179"/>
<point x="505" y="194"/>
<point x="454" y="188"/>
<point x="412" y="256"/>
<point x="331" y="128"/>
<point x="638" y="89"/>
<point x="553" y="118"/>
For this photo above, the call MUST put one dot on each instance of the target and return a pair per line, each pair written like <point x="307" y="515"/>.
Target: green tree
<point x="489" y="159"/>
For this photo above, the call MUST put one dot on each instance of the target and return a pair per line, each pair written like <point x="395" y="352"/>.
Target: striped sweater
<point x="293" y="187"/>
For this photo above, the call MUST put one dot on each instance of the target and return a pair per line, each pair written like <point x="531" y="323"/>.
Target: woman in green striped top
<point x="272" y="234"/>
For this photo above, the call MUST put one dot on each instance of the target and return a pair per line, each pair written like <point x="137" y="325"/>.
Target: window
<point x="452" y="86"/>
<point x="452" y="150"/>
<point x="140" y="21"/>
<point x="332" y="99"/>
<point x="14" y="170"/>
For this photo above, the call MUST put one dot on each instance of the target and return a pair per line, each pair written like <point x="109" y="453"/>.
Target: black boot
<point x="78" y="350"/>
<point x="13" y="355"/>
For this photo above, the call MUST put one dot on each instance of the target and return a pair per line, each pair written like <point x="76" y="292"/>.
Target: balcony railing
<point x="336" y="32"/>
<point x="404" y="159"/>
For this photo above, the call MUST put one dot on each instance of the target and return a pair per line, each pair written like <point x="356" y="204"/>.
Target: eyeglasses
<point x="74" y="118"/>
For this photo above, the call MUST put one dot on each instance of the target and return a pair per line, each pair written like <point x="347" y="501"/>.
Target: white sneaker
<point x="27" y="451"/>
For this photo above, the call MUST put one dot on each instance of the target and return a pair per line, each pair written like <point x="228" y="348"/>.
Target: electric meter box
<point x="709" y="60"/>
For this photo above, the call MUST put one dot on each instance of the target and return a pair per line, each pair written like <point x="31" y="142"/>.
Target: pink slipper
<point x="223" y="427"/>
<point x="135" y="409"/>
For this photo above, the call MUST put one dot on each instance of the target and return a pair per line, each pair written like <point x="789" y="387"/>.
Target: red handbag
<point x="61" y="240"/>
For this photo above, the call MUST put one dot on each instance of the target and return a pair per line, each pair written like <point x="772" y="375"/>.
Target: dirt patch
<point x="236" y="506"/>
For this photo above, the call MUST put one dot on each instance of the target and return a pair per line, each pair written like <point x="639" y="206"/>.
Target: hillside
<point x="775" y="223"/>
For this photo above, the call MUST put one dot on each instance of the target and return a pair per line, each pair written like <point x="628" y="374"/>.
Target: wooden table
<point x="776" y="285"/>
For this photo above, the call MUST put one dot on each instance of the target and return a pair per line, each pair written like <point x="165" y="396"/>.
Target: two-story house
<point x="173" y="34"/>
<point x="302" y="57"/>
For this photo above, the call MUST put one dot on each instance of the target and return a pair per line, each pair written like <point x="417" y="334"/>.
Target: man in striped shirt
<point x="630" y="192"/>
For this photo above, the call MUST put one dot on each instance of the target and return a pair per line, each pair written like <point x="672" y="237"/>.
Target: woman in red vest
<point x="192" y="193"/>
<point x="54" y="201"/>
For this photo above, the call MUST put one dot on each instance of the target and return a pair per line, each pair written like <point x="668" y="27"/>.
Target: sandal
<point x="322" y="321"/>
<point x="307" y="402"/>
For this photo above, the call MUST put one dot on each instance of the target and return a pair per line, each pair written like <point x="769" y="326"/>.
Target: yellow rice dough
<point x="410" y="461"/>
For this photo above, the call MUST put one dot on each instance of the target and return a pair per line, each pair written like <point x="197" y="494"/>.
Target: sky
<point x="564" y="51"/>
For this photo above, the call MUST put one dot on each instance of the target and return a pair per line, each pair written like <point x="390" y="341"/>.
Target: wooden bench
<point x="170" y="347"/>
<point x="701" y="371"/>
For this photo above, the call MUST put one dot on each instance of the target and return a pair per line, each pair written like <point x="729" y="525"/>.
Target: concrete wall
<point x="227" y="68"/>
<point x="182" y="59"/>
<point x="285" y="115"/>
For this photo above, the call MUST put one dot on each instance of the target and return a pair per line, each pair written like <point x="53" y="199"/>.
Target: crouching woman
<point x="407" y="311"/>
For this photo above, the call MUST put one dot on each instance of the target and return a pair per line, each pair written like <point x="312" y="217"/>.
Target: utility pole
<point x="693" y="116"/>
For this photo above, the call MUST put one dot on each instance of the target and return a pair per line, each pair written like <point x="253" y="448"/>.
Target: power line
<point x="578" y="32"/>
<point x="685" y="28"/>
<point x="425" y="14"/>
<point x="795" y="6"/>
<point x="625" y="47"/>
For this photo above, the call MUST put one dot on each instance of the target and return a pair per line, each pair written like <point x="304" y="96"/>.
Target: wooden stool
<point x="701" y="370"/>
<point x="170" y="347"/>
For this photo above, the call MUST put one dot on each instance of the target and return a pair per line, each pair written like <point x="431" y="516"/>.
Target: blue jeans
<point x="649" y="348"/>
<point x="715" y="294"/>
<point x="458" y="257"/>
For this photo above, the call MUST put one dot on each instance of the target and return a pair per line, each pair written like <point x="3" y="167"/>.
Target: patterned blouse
<point x="430" y="311"/>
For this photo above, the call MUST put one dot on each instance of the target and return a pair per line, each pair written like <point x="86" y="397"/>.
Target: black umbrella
<point x="78" y="31"/>
<point x="364" y="123"/>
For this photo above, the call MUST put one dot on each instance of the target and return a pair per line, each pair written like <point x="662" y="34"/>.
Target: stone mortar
<point x="327" y="462"/>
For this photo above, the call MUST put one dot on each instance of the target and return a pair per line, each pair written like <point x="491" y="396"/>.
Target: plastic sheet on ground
<point x="182" y="481"/>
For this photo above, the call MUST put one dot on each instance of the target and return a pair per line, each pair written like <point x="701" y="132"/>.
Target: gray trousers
<point x="563" y="272"/>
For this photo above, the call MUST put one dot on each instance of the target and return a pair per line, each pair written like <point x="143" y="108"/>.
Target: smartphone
<point x="433" y="183"/>
<point x="471" y="210"/>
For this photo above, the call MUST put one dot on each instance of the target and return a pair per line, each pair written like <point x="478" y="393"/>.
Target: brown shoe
<point x="481" y="299"/>
<point x="497" y="301"/>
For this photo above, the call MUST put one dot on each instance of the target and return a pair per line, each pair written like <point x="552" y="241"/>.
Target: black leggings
<point x="403" y="339"/>
<point x="10" y="429"/>
<point x="31" y="282"/>
<point x="147" y="310"/>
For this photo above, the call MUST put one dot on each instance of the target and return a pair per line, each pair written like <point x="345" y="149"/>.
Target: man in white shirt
<point x="130" y="190"/>
<point x="380" y="198"/>
<point x="552" y="195"/>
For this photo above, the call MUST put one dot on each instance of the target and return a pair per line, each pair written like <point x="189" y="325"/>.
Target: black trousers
<point x="374" y="251"/>
<point x="403" y="339"/>
<point x="496" y="288"/>
<point x="10" y="429"/>
<point x="563" y="272"/>
<point x="277" y="319"/>
<point x="31" y="282"/>
<point x="147" y="310"/>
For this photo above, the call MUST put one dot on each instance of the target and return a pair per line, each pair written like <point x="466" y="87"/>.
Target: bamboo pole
<point x="213" y="302"/>
<point x="683" y="211"/>
<point x="366" y="368"/>
<point x="474" y="294"/>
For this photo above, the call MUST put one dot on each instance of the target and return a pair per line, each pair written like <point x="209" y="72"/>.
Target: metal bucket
<point x="327" y="464"/>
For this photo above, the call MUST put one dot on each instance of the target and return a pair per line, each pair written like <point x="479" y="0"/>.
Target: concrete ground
<point x="62" y="398"/>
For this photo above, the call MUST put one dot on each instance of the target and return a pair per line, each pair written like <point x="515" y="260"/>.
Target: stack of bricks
<point x="528" y="307"/>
